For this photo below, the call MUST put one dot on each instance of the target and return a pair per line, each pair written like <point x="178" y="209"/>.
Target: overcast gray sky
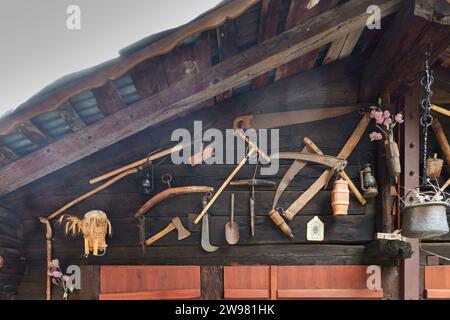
<point x="38" y="48"/>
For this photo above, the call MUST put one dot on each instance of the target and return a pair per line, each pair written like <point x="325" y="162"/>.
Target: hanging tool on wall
<point x="253" y="183"/>
<point x="232" y="228"/>
<point x="206" y="244"/>
<point x="166" y="194"/>
<point x="253" y="148"/>
<point x="174" y="224"/>
<point x="283" y="119"/>
<point x="277" y="214"/>
<point x="334" y="163"/>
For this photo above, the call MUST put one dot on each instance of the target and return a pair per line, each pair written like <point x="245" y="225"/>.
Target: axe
<point x="175" y="224"/>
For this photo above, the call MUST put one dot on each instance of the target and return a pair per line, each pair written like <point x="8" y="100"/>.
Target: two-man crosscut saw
<point x="277" y="214"/>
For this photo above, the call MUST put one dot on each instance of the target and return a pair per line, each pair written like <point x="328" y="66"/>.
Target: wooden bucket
<point x="434" y="167"/>
<point x="340" y="198"/>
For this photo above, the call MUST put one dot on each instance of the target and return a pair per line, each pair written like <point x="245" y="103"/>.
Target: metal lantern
<point x="146" y="184"/>
<point x="368" y="182"/>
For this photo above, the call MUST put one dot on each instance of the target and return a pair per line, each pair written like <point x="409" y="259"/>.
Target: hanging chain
<point x="427" y="118"/>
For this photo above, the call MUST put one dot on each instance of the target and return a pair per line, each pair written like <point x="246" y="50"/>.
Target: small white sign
<point x="315" y="230"/>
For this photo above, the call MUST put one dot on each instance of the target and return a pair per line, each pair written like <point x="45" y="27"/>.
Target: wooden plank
<point x="342" y="47"/>
<point x="246" y="282"/>
<point x="270" y="11"/>
<point x="185" y="96"/>
<point x="7" y="155"/>
<point x="437" y="11"/>
<point x="227" y="36"/>
<point x="437" y="282"/>
<point x="298" y="14"/>
<point x="179" y="294"/>
<point x="114" y="71"/>
<point x="90" y="283"/>
<point x="108" y="98"/>
<point x="212" y="282"/>
<point x="71" y="117"/>
<point x="34" y="134"/>
<point x="330" y="294"/>
<point x="253" y="294"/>
<point x="402" y="48"/>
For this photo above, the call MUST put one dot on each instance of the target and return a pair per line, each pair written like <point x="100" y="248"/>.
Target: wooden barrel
<point x="340" y="198"/>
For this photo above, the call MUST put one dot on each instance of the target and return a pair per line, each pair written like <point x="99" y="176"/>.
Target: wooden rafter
<point x="299" y="13"/>
<point x="402" y="49"/>
<point x="343" y="47"/>
<point x="212" y="20"/>
<point x="108" y="98"/>
<point x="270" y="11"/>
<point x="227" y="45"/>
<point x="34" y="134"/>
<point x="149" y="78"/>
<point x="7" y="155"/>
<point x="71" y="117"/>
<point x="186" y="95"/>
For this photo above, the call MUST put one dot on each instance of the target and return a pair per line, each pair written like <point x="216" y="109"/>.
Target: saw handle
<point x="279" y="221"/>
<point x="243" y="122"/>
<point x="161" y="234"/>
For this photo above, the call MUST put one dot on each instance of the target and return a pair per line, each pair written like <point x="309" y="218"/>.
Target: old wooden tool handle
<point x="440" y="110"/>
<point x="342" y="173"/>
<point x="280" y="223"/>
<point x="252" y="214"/>
<point x="243" y="122"/>
<point x="161" y="234"/>
<point x="442" y="139"/>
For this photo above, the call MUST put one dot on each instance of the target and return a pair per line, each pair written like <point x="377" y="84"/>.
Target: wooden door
<point x="149" y="282"/>
<point x="298" y="282"/>
<point x="437" y="282"/>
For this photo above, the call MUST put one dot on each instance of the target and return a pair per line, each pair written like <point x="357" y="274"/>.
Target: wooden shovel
<point x="232" y="228"/>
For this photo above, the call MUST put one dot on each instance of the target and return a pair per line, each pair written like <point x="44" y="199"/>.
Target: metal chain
<point x="427" y="118"/>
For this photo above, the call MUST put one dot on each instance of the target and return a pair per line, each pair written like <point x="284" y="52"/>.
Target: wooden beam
<point x="7" y="155"/>
<point x="227" y="45"/>
<point x="299" y="12"/>
<point x="270" y="11"/>
<point x="398" y="58"/>
<point x="343" y="47"/>
<point x="34" y="134"/>
<point x="108" y="99"/>
<point x="411" y="174"/>
<point x="433" y="10"/>
<point x="149" y="78"/>
<point x="186" y="95"/>
<point x="71" y="117"/>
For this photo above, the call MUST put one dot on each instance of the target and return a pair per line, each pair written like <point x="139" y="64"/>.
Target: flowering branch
<point x="384" y="121"/>
<point x="60" y="279"/>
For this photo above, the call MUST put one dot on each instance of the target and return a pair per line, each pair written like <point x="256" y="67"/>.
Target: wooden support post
<point x="411" y="152"/>
<point x="71" y="117"/>
<point x="212" y="282"/>
<point x="34" y="134"/>
<point x="108" y="99"/>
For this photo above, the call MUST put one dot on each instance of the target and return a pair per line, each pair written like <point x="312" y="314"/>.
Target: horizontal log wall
<point x="345" y="237"/>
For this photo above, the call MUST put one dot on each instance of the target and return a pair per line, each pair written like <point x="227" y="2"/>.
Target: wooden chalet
<point x="243" y="57"/>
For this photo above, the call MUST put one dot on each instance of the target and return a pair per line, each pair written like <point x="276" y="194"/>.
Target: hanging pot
<point x="434" y="167"/>
<point x="425" y="220"/>
<point x="340" y="198"/>
<point x="392" y="157"/>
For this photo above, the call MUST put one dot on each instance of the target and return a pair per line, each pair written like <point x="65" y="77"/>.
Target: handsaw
<point x="282" y="119"/>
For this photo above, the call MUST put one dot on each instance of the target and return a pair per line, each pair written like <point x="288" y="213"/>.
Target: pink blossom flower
<point x="386" y="114"/>
<point x="57" y="274"/>
<point x="379" y="118"/>
<point x="399" y="118"/>
<point x="66" y="278"/>
<point x="387" y="121"/>
<point x="375" y="136"/>
<point x="54" y="263"/>
<point x="372" y="114"/>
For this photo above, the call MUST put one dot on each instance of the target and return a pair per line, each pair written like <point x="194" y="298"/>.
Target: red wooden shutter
<point x="246" y="282"/>
<point x="149" y="282"/>
<point x="437" y="282"/>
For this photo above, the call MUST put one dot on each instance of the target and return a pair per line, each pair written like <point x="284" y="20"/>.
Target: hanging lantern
<point x="94" y="226"/>
<point x="367" y="179"/>
<point x="146" y="184"/>
<point x="434" y="167"/>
